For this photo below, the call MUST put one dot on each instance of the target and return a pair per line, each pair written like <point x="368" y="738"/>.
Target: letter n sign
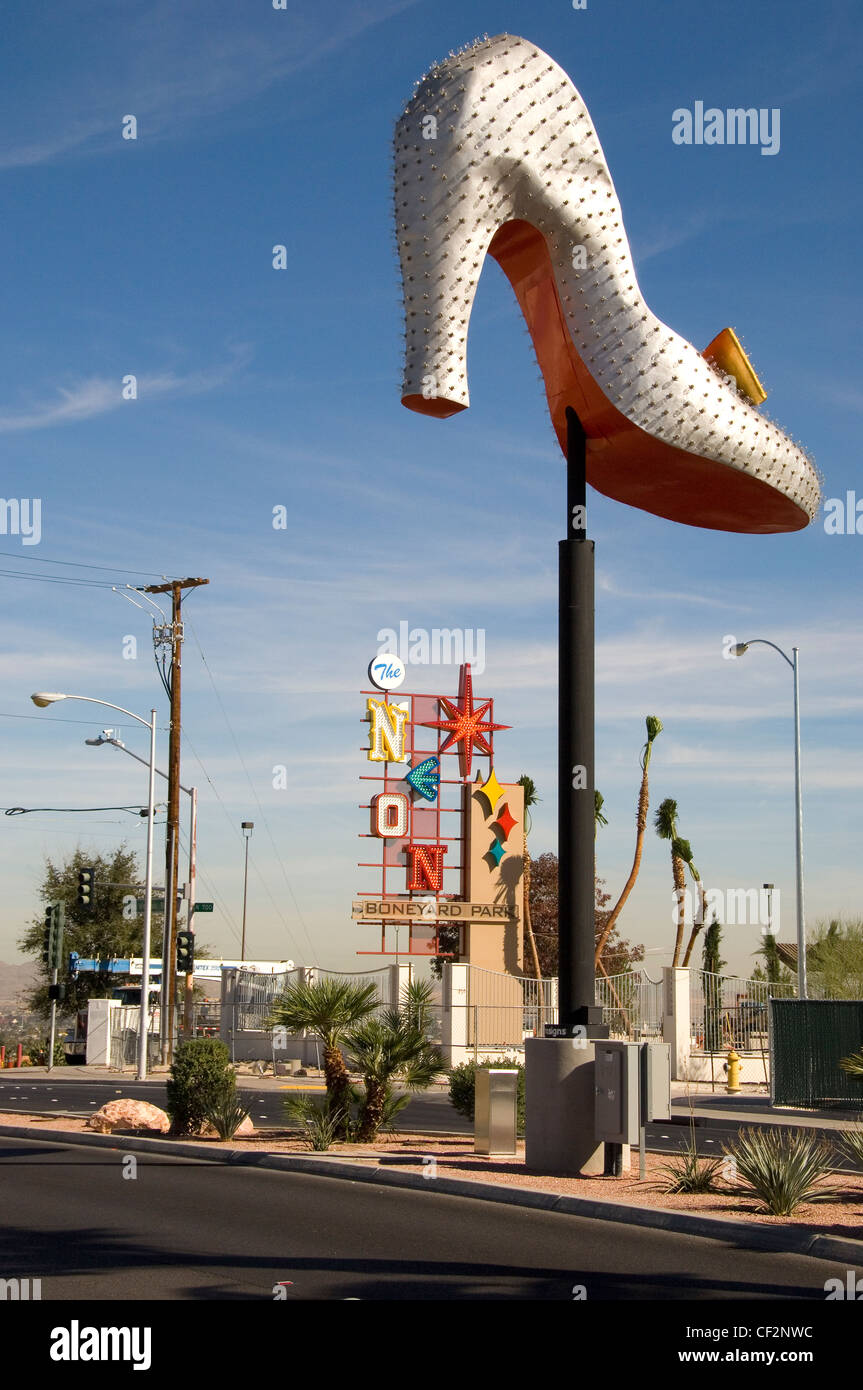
<point x="425" y="867"/>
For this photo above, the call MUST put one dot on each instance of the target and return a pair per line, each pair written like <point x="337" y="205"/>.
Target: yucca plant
<point x="320" y="1123"/>
<point x="686" y="1172"/>
<point x="782" y="1167"/>
<point x="851" y="1143"/>
<point x="226" y="1114"/>
<point x="853" y="1064"/>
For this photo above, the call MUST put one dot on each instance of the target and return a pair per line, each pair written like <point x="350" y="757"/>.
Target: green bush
<point x="462" y="1087"/>
<point x="202" y="1080"/>
<point x="39" y="1054"/>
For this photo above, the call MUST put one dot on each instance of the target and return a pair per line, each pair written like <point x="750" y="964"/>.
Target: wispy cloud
<point x="175" y="66"/>
<point x="98" y="395"/>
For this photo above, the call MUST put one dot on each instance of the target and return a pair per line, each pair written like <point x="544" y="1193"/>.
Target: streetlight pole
<point x="192" y="793"/>
<point x="739" y="650"/>
<point x="247" y="827"/>
<point x="42" y="699"/>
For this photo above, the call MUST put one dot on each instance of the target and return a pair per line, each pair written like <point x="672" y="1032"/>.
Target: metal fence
<point x="125" y="1022"/>
<point x="253" y="1000"/>
<point x="726" y="1011"/>
<point x="632" y="1004"/>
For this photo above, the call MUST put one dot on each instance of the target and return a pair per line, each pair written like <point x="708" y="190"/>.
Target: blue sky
<point x="259" y="388"/>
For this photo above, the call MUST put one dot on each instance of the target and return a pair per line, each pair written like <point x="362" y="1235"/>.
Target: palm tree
<point x="665" y="822"/>
<point x="387" y="1049"/>
<point x="530" y="799"/>
<point x="329" y="1008"/>
<point x="654" y="729"/>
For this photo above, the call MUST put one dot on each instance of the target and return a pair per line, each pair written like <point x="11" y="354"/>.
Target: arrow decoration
<point x="424" y="779"/>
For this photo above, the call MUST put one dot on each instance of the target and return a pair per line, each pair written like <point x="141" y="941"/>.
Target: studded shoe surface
<point x="497" y="153"/>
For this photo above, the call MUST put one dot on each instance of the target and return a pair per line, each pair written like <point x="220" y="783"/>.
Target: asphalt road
<point x="428" y="1113"/>
<point x="182" y="1229"/>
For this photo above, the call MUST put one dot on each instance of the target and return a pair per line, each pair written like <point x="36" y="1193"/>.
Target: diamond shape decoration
<point x="425" y="778"/>
<point x="491" y="790"/>
<point x="497" y="851"/>
<point x="506" y="821"/>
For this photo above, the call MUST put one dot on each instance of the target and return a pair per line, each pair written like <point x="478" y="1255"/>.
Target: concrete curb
<point x="743" y="1233"/>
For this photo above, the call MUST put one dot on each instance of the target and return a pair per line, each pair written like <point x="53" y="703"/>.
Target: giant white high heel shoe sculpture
<point x="496" y="152"/>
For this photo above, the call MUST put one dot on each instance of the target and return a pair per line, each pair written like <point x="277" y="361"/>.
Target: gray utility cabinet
<point x="632" y="1084"/>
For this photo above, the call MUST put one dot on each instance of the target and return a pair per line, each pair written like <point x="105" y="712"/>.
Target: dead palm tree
<point x="665" y="822"/>
<point x="530" y="799"/>
<point x="654" y="729"/>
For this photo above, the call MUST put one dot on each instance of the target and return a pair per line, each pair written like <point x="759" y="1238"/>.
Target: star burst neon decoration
<point x="466" y="725"/>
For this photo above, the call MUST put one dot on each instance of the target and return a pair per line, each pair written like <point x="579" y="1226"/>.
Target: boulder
<point x="129" y="1114"/>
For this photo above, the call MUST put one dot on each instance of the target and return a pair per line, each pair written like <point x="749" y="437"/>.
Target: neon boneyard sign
<point x="422" y="804"/>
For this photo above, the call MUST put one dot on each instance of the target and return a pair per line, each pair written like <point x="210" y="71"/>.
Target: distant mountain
<point x="14" y="979"/>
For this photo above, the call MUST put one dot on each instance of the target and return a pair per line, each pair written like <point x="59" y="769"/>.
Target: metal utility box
<point x="495" y="1110"/>
<point x="617" y="1086"/>
<point x="632" y="1086"/>
<point x="656" y="1088"/>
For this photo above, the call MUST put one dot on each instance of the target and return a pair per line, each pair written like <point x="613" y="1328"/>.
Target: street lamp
<point x="247" y="827"/>
<point x="107" y="736"/>
<point x="43" y="699"/>
<point x="739" y="650"/>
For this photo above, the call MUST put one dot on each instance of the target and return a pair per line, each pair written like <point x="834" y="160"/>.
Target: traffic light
<point x="52" y="949"/>
<point x="48" y="938"/>
<point x="185" y="952"/>
<point x="87" y="889"/>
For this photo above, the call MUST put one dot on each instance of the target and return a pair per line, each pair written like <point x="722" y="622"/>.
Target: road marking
<point x="300" y="1087"/>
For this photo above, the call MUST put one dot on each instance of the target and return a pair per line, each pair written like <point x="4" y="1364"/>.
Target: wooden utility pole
<point x="175" y="588"/>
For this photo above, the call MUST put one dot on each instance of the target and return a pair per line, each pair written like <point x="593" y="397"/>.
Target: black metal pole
<point x="575" y="927"/>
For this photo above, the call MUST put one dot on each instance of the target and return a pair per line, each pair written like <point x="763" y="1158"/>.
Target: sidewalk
<point x="719" y="1108"/>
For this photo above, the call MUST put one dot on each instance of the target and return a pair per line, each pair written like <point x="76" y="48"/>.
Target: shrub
<point x="226" y="1115"/>
<point x="320" y="1122"/>
<point x="202" y="1079"/>
<point x="851" y="1143"/>
<point x="782" y="1167"/>
<point x="686" y="1172"/>
<point x="462" y="1087"/>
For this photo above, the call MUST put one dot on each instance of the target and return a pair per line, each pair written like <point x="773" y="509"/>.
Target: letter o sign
<point x="390" y="815"/>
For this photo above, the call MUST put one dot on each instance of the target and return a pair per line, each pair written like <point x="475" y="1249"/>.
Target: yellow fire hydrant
<point x="733" y="1086"/>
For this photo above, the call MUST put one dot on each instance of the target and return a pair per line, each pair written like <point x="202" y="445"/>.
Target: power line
<point x="58" y="579"/>
<point x="78" y="564"/>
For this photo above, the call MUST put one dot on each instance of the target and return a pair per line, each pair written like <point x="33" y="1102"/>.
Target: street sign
<point x="202" y="907"/>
